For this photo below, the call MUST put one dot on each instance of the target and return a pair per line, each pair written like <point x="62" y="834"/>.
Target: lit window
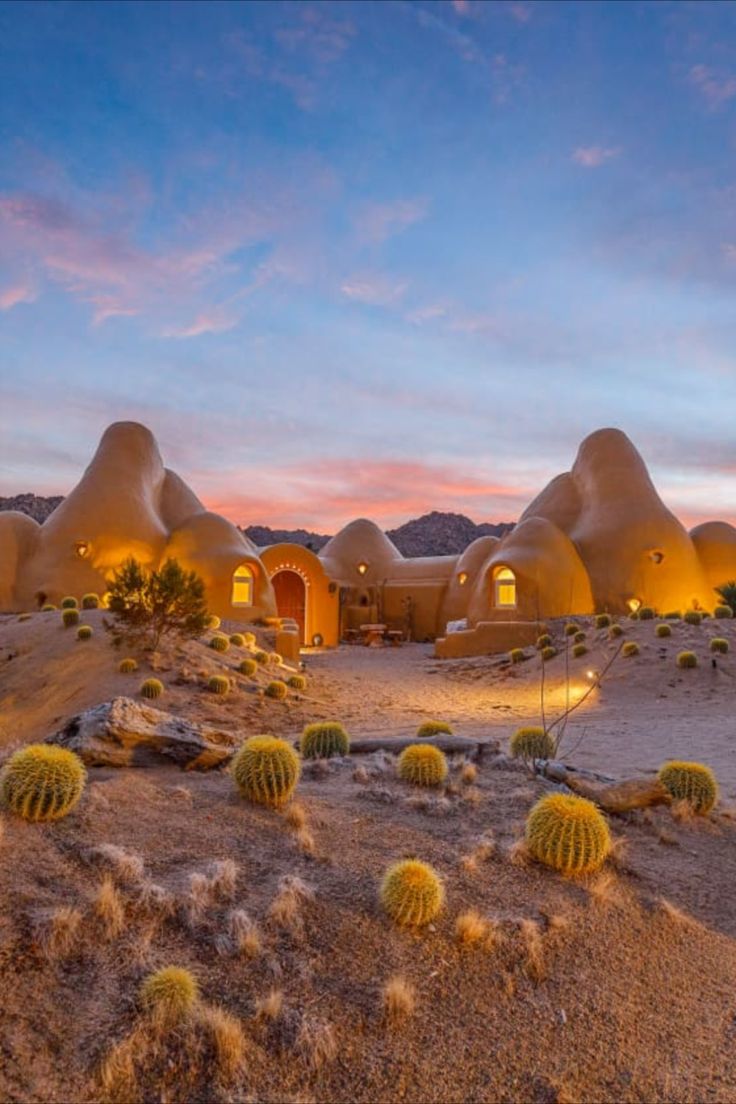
<point x="242" y="586"/>
<point x="504" y="583"/>
<point x="362" y="567"/>
<point x="462" y="578"/>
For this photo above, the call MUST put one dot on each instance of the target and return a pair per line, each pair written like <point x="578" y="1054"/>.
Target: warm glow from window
<point x="462" y="578"/>
<point x="362" y="568"/>
<point x="504" y="582"/>
<point x="242" y="586"/>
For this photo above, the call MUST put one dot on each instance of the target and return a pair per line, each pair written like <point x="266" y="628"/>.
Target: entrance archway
<point x="291" y="598"/>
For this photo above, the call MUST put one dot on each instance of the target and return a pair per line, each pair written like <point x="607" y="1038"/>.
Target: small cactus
<point x="84" y="632"/>
<point x="297" y="682"/>
<point x="433" y="728"/>
<point x="127" y="666"/>
<point x="90" y="601"/>
<point x="719" y="645"/>
<point x="422" y="765"/>
<point x="412" y="893"/>
<point x="723" y="612"/>
<point x="276" y="689"/>
<point x="170" y="994"/>
<point x="219" y="684"/>
<point x="274" y="659"/>
<point x="152" y="688"/>
<point x="568" y="833"/>
<point x="266" y="770"/>
<point x="42" y="782"/>
<point x="548" y="653"/>
<point x="571" y="628"/>
<point x="579" y="637"/>
<point x="248" y="667"/>
<point x="323" y="740"/>
<point x="47" y="607"/>
<point x="219" y="643"/>
<point x="69" y="617"/>
<point x="634" y="615"/>
<point x="646" y="613"/>
<point x="532" y="742"/>
<point x="602" y="620"/>
<point x="692" y="617"/>
<point x="543" y="641"/>
<point x="614" y="631"/>
<point x="687" y="659"/>
<point x="249" y="639"/>
<point x="663" y="630"/>
<point x="691" y="782"/>
<point x="261" y="657"/>
<point x="673" y="615"/>
<point x="213" y="622"/>
<point x="579" y="650"/>
<point x="516" y="655"/>
<point x="630" y="648"/>
<point x="237" y="640"/>
<point x="68" y="603"/>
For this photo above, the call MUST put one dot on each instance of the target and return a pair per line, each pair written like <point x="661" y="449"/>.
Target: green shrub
<point x="579" y="637"/>
<point x="516" y="655"/>
<point x="687" y="659"/>
<point x="548" y="653"/>
<point x="412" y="893"/>
<point x="69" y="617"/>
<point x="579" y="650"/>
<point x="571" y="628"/>
<point x="47" y="607"/>
<point x="219" y="684"/>
<point x="323" y="740"/>
<point x="84" y="632"/>
<point x="719" y="645"/>
<point x="663" y="630"/>
<point x="68" y="603"/>
<point x="266" y="770"/>
<point x="630" y="648"/>
<point x="248" y="667"/>
<point x="261" y="657"/>
<point x="276" y="689"/>
<point x="693" y="617"/>
<point x="728" y="593"/>
<point x="90" y="601"/>
<point x="723" y="612"/>
<point x="127" y="666"/>
<point x="249" y="639"/>
<point x="602" y="620"/>
<point x="237" y="640"/>
<point x="532" y="742"/>
<point x="646" y="613"/>
<point x="543" y="641"/>
<point x="296" y="682"/>
<point x="691" y="782"/>
<point x="152" y="688"/>
<point x="614" y="631"/>
<point x="568" y="833"/>
<point x="433" y="728"/>
<point x="274" y="659"/>
<point x="170" y="994"/>
<point x="219" y="643"/>
<point x="148" y="605"/>
<point x="673" y="615"/>
<point x="42" y="782"/>
<point x="422" y="765"/>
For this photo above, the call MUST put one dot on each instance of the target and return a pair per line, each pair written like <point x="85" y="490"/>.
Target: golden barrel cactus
<point x="532" y="742"/>
<point x="568" y="833"/>
<point x="422" y="765"/>
<point x="266" y="770"/>
<point x="691" y="782"/>
<point x="42" y="782"/>
<point x="323" y="740"/>
<point x="412" y="893"/>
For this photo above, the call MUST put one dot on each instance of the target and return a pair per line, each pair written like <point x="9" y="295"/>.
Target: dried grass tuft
<point x="57" y="930"/>
<point x="360" y="775"/>
<point x="286" y="906"/>
<point x="295" y="815"/>
<point x="316" y="1044"/>
<point x="124" y="865"/>
<point x="469" y="773"/>
<point x="533" y="950"/>
<point x="109" y="908"/>
<point x="398" y="999"/>
<point x="270" y="1007"/>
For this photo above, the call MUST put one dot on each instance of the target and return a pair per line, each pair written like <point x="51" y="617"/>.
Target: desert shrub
<point x="90" y="601"/>
<point x="543" y="641"/>
<point x="248" y="667"/>
<point x="274" y="659"/>
<point x="219" y="684"/>
<point x="219" y="643"/>
<point x="602" y="620"/>
<point x="630" y="648"/>
<point x="571" y="628"/>
<point x="42" y="782"/>
<point x="728" y="593"/>
<point x="69" y="603"/>
<point x="213" y="622"/>
<point x="69" y="617"/>
<point x="687" y="659"/>
<point x="614" y="631"/>
<point x="532" y="742"/>
<point x="516" y="655"/>
<point x="170" y="994"/>
<point x="692" y="617"/>
<point x="237" y="640"/>
<point x="276" y="689"/>
<point x="422" y="765"/>
<point x="261" y="657"/>
<point x="568" y="833"/>
<point x="673" y="615"/>
<point x="148" y="605"/>
<point x="47" y="607"/>
<point x="84" y="632"/>
<point x="266" y="770"/>
<point x="723" y="612"/>
<point x="579" y="650"/>
<point x="127" y="666"/>
<point x="323" y="740"/>
<point x="646" y="613"/>
<point x="249" y="639"/>
<point x="296" y="682"/>
<point x="433" y="728"/>
<point x="579" y="637"/>
<point x="719" y="645"/>
<point x="412" y="893"/>
<point x="548" y="653"/>
<point x="691" y="782"/>
<point x="663" y="630"/>
<point x="152" y="688"/>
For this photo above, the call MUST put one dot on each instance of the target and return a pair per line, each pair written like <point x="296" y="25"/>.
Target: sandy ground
<point x="593" y="991"/>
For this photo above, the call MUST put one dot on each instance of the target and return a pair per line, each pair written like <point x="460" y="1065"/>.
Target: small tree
<point x="148" y="605"/>
<point x="728" y="594"/>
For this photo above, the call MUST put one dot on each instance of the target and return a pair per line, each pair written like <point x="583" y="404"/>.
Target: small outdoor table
<point x="395" y="637"/>
<point x="373" y="635"/>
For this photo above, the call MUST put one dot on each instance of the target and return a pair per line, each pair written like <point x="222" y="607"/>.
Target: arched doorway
<point x="291" y="598"/>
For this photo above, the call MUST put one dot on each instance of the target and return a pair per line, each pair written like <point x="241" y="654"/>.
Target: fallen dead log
<point x="612" y="797"/>
<point x="451" y="745"/>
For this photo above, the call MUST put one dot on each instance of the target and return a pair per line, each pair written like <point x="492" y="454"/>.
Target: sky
<point x="369" y="259"/>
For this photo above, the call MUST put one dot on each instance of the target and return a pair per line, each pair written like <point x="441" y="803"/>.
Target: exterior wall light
<point x="634" y="604"/>
<point x="362" y="567"/>
<point x="82" y="549"/>
<point x="462" y="578"/>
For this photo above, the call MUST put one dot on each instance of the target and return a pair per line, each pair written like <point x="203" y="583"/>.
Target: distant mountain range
<point x="434" y="534"/>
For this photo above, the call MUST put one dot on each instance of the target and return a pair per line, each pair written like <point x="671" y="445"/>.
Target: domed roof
<point x="360" y="541"/>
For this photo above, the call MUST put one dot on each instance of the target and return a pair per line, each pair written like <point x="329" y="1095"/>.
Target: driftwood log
<point x="612" y="797"/>
<point x="451" y="745"/>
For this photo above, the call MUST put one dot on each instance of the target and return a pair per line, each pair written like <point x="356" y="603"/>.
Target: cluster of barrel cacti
<point x="219" y="643"/>
<point x="691" y="782"/>
<point x="266" y="770"/>
<point x="248" y="667"/>
<point x="323" y="740"/>
<point x="433" y="728"/>
<point x="548" y="653"/>
<point x="296" y="682"/>
<point x="693" y="617"/>
<point x="237" y="640"/>
<point x="42" y="782"/>
<point x="719" y="645"/>
<point x="412" y="893"/>
<point x="543" y="642"/>
<point x="532" y="742"/>
<point x="568" y="833"/>
<point x="422" y="765"/>
<point x="723" y="612"/>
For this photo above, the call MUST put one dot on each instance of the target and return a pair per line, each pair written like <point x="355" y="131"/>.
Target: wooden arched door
<point x="291" y="598"/>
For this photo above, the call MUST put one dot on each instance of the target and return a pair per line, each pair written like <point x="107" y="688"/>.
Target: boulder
<point x="127" y="733"/>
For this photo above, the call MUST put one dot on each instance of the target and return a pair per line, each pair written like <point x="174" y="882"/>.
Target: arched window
<point x="504" y="587"/>
<point x="242" y="586"/>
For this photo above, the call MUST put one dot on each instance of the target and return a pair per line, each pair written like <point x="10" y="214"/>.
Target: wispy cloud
<point x="374" y="288"/>
<point x="16" y="293"/>
<point x="375" y="222"/>
<point x="592" y="157"/>
<point x="716" y="88"/>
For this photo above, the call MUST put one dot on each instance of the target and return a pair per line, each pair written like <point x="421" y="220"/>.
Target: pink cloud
<point x="214" y="321"/>
<point x="317" y="32"/>
<point x="592" y="157"/>
<point x="376" y="222"/>
<point x="374" y="289"/>
<point x="17" y="293"/>
<point x="462" y="7"/>
<point x="716" y="89"/>
<point x="522" y="13"/>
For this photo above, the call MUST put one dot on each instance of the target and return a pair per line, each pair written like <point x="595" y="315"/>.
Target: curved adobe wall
<point x="322" y="597"/>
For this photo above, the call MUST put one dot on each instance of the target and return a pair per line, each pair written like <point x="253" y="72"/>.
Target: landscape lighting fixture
<point x="462" y="578"/>
<point x="362" y="567"/>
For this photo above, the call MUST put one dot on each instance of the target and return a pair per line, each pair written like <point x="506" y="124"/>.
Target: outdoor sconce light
<point x="462" y="578"/>
<point x="82" y="549"/>
<point x="634" y="604"/>
<point x="362" y="567"/>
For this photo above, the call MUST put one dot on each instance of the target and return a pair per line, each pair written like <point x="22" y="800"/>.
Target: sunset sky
<point x="373" y="258"/>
